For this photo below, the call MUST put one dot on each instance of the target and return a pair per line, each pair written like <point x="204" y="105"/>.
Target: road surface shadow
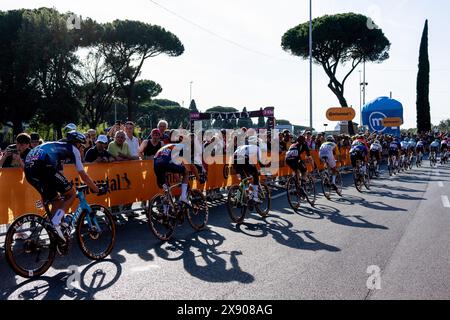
<point x="281" y="230"/>
<point x="72" y="285"/>
<point x="203" y="259"/>
<point x="334" y="215"/>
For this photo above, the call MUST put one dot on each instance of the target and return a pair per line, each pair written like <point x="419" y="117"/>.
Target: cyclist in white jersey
<point x="326" y="154"/>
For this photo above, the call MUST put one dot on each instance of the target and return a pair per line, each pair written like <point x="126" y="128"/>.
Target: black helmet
<point x="75" y="136"/>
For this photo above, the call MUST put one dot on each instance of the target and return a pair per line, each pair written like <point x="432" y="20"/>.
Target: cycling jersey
<point x="168" y="159"/>
<point x="293" y="159"/>
<point x="435" y="144"/>
<point x="43" y="165"/>
<point x="359" y="149"/>
<point x="394" y="146"/>
<point x="296" y="150"/>
<point x="326" y="151"/>
<point x="250" y="153"/>
<point x="404" y="145"/>
<point x="170" y="153"/>
<point x="375" y="147"/>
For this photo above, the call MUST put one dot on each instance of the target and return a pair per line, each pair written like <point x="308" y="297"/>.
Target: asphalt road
<point x="389" y="243"/>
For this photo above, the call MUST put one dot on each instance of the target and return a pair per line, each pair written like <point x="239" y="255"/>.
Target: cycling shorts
<point x="295" y="165"/>
<point x="162" y="167"/>
<point x="329" y="159"/>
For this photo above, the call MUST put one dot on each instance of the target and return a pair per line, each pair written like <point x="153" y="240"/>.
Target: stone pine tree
<point x="423" y="85"/>
<point x="346" y="39"/>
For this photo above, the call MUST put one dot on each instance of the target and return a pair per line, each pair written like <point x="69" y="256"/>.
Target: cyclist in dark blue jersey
<point x="43" y="170"/>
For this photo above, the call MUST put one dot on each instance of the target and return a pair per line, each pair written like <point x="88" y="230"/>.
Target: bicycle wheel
<point x="366" y="181"/>
<point x="310" y="190"/>
<point x="236" y="204"/>
<point x="357" y="179"/>
<point x="339" y="184"/>
<point x="162" y="224"/>
<point x="96" y="232"/>
<point x="29" y="247"/>
<point x="263" y="208"/>
<point x="293" y="194"/>
<point x="198" y="214"/>
<point x="326" y="186"/>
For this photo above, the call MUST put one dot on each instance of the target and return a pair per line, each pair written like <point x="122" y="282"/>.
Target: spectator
<point x="163" y="126"/>
<point x="132" y="141"/>
<point x="91" y="137"/>
<point x="98" y="153"/>
<point x="119" y="148"/>
<point x="15" y="154"/>
<point x="35" y="140"/>
<point x="150" y="146"/>
<point x="114" y="129"/>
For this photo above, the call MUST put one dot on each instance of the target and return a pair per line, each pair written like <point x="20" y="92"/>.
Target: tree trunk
<point x="17" y="127"/>
<point x="343" y="103"/>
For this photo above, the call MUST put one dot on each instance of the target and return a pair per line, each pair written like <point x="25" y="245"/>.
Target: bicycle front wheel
<point x="96" y="232"/>
<point x="263" y="208"/>
<point x="162" y="224"/>
<point x="358" y="181"/>
<point x="293" y="194"/>
<point x="326" y="186"/>
<point x="198" y="213"/>
<point x="310" y="190"/>
<point x="29" y="246"/>
<point x="236" y="204"/>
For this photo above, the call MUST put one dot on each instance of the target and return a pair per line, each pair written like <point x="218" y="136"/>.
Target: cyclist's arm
<point x="80" y="168"/>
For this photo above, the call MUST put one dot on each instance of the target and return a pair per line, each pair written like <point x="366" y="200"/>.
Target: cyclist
<point x="170" y="159"/>
<point x="359" y="151"/>
<point x="326" y="155"/>
<point x="420" y="149"/>
<point x="245" y="159"/>
<point x="394" y="151"/>
<point x="375" y="152"/>
<point x="43" y="170"/>
<point x="434" y="147"/>
<point x="444" y="146"/>
<point x="293" y="159"/>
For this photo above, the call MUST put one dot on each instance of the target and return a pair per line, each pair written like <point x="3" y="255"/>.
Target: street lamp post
<point x="310" y="66"/>
<point x="325" y="125"/>
<point x="190" y="92"/>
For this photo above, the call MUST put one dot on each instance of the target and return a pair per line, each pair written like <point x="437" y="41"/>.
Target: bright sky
<point x="239" y="62"/>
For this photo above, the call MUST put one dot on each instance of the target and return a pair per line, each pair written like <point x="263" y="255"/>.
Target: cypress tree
<point x="423" y="85"/>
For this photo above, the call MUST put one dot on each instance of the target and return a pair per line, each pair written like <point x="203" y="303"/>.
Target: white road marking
<point x="145" y="268"/>
<point x="279" y="195"/>
<point x="441" y="184"/>
<point x="445" y="201"/>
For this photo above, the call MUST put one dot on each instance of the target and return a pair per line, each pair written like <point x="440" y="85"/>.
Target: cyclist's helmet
<point x="70" y="127"/>
<point x="330" y="139"/>
<point x="376" y="142"/>
<point x="75" y="136"/>
<point x="301" y="139"/>
<point x="406" y="139"/>
<point x="437" y="140"/>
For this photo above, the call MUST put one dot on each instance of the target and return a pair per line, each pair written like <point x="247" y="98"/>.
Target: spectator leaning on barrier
<point x="16" y="153"/>
<point x="119" y="148"/>
<point x="163" y="126"/>
<point x="151" y="145"/>
<point x="132" y="141"/>
<point x="98" y="153"/>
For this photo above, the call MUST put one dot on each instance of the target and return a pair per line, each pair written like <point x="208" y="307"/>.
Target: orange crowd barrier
<point x="130" y="181"/>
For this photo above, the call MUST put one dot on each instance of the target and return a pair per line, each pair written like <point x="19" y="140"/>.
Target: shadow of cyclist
<point x="202" y="258"/>
<point x="71" y="285"/>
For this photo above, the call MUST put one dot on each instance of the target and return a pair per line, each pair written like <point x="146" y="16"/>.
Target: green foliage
<point x="444" y="125"/>
<point x="127" y="44"/>
<point x="338" y="39"/>
<point x="423" y="85"/>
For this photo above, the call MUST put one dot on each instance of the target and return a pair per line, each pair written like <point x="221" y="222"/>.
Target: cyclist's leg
<point x="253" y="171"/>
